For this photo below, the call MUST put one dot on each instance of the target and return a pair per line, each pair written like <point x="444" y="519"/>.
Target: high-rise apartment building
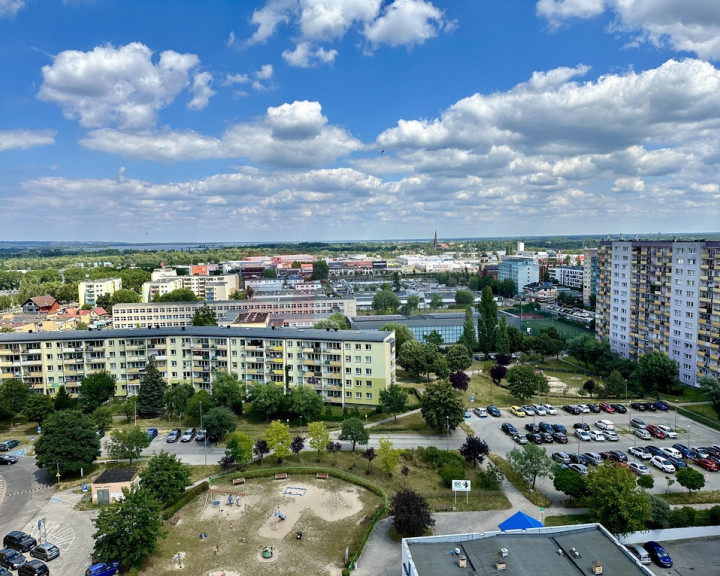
<point x="590" y="274"/>
<point x="90" y="290"/>
<point x="664" y="296"/>
<point x="521" y="270"/>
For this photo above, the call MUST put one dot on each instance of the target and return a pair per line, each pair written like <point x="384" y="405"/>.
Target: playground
<point x="295" y="526"/>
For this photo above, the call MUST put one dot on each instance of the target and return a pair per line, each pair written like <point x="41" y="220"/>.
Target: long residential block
<point x="346" y="367"/>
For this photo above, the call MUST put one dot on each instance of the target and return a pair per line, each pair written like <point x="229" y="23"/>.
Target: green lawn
<point x="565" y="330"/>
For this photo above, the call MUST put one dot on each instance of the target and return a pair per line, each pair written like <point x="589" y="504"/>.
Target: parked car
<point x="532" y="428"/>
<point x="100" y="433"/>
<point x="642" y="434"/>
<point x="640" y="452"/>
<point x="561" y="457"/>
<point x="650" y="406"/>
<point x="535" y="438"/>
<point x="579" y="468"/>
<point x="529" y="410"/>
<point x="605" y="425"/>
<point x="546" y="427"/>
<point x="663" y="464"/>
<point x="546" y="437"/>
<point x="11" y="559"/>
<point x="596" y="435"/>
<point x="639" y="406"/>
<point x="201" y="436"/>
<point x="605" y="407"/>
<point x="684" y="450"/>
<point x="560" y="437"/>
<point x="658" y="554"/>
<point x="672" y="452"/>
<point x="656" y="432"/>
<point x="619" y="408"/>
<point x="508" y="428"/>
<point x="151" y="433"/>
<point x="584" y="408"/>
<point x="174" y="435"/>
<point x="578" y="459"/>
<point x="637" y="423"/>
<point x="6" y="445"/>
<point x="494" y="411"/>
<point x="520" y="438"/>
<point x="8" y="459"/>
<point x="468" y="414"/>
<point x="550" y="409"/>
<point x="34" y="568"/>
<point x="5" y="572"/>
<point x="103" y="569"/>
<point x="610" y="435"/>
<point x="517" y="411"/>
<point x="640" y="553"/>
<point x="706" y="463"/>
<point x="581" y="426"/>
<point x="699" y="451"/>
<point x="19" y="541"/>
<point x="639" y="468"/>
<point x="572" y="409"/>
<point x="594" y="408"/>
<point x="559" y="428"/>
<point x="593" y="458"/>
<point x="582" y="435"/>
<point x="660" y="405"/>
<point x="654" y="450"/>
<point x="539" y="409"/>
<point x="479" y="412"/>
<point x="677" y="462"/>
<point x="620" y="456"/>
<point x="45" y="552"/>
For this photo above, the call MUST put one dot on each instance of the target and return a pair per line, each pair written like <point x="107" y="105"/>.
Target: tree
<point x="531" y="462"/>
<point x="389" y="456"/>
<point x="413" y="358"/>
<point x="96" y="389"/>
<point x="502" y="339"/>
<point x="507" y="288"/>
<point x="219" y="421"/>
<point x="68" y="442"/>
<point x="128" y="444"/>
<point x="278" y="439"/>
<point x="261" y="448"/>
<point x="615" y="385"/>
<point x="615" y="500"/>
<point x="326" y="324"/>
<point x="63" y="400"/>
<point x="487" y="323"/>
<point x="13" y="395"/>
<point x="102" y="417"/>
<point x="333" y="448"/>
<point x="306" y="403"/>
<point x="340" y="319"/>
<point x="690" y="478"/>
<point x="269" y="273"/>
<point x="497" y="373"/>
<point x="410" y="513"/>
<point x="267" y="400"/>
<point x="228" y="392"/>
<point x="660" y="512"/>
<point x="38" y="407"/>
<point x="204" y="316"/>
<point x="354" y="430"/>
<point x="319" y="436"/>
<point x="165" y="477"/>
<point x="515" y="338"/>
<point x="192" y="407"/>
<point x="570" y="482"/>
<point x="656" y="372"/>
<point x="524" y="383"/>
<point x="458" y="358"/>
<point x="436" y="302"/>
<point x="134" y="278"/>
<point x="385" y="302"/>
<point x="474" y="450"/>
<point x="589" y="386"/>
<point x="151" y="393"/>
<point x="646" y="482"/>
<point x="176" y="400"/>
<point x="296" y="446"/>
<point x="123" y="296"/>
<point x="240" y="447"/>
<point x="459" y="381"/>
<point x="128" y="531"/>
<point x="369" y="454"/>
<point x="321" y="270"/>
<point x="710" y="387"/>
<point x="442" y="405"/>
<point x="434" y="338"/>
<point x="468" y="338"/>
<point x="464" y="298"/>
<point x="179" y="295"/>
<point x="394" y="399"/>
<point x="402" y="334"/>
<point x="413" y="302"/>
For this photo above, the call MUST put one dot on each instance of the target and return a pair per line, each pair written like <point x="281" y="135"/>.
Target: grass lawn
<point x="696" y="497"/>
<point x="567" y="520"/>
<point x="702" y="413"/>
<point x="565" y="330"/>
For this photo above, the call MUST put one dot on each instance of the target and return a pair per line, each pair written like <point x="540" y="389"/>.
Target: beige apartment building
<point x="345" y="367"/>
<point x="204" y="287"/>
<point x="90" y="290"/>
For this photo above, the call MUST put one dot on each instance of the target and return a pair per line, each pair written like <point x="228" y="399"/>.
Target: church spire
<point x="435" y="241"/>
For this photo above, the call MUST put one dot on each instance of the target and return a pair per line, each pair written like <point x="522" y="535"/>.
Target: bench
<point x="281" y="476"/>
<point x="321" y="475"/>
<point x="237" y="481"/>
<point x="175" y="519"/>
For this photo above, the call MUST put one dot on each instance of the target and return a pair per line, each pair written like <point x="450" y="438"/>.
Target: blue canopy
<point x="520" y="521"/>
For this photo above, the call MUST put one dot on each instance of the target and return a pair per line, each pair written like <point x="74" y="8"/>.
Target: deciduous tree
<point x="458" y="358"/>
<point x="442" y="405"/>
<point x="278" y="439"/>
<point x="393" y="400"/>
<point x="240" y="446"/>
<point x="464" y="298"/>
<point x="306" y="403"/>
<point x="261" y="448"/>
<point x="710" y="387"/>
<point x="690" y="478"/>
<point x="474" y="450"/>
<point x="13" y="395"/>
<point x="218" y="421"/>
<point x="96" y="389"/>
<point x="615" y="500"/>
<point x="570" y="482"/>
<point x="459" y="381"/>
<point x="531" y="462"/>
<point x="353" y="429"/>
<point x="319" y="436"/>
<point x="228" y="392"/>
<point x="165" y="477"/>
<point x="524" y="383"/>
<point x="297" y="445"/>
<point x="369" y="455"/>
<point x="385" y="302"/>
<point x="389" y="456"/>
<point x="410" y="513"/>
<point x="402" y="334"/>
<point x="128" y="443"/>
<point x="68" y="442"/>
<point x="656" y="372"/>
<point x="204" y="316"/>
<point x="38" y="407"/>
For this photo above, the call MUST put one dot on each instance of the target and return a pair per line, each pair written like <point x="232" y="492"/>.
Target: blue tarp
<point x="520" y="521"/>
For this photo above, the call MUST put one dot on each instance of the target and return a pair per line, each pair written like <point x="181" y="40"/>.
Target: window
<point x="368" y="371"/>
<point x="368" y="359"/>
<point x="368" y="383"/>
<point x="358" y="395"/>
<point x="358" y="359"/>
<point x="368" y="395"/>
<point x="348" y="394"/>
<point x="358" y="371"/>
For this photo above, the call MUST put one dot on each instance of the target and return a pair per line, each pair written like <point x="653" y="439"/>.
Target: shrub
<point x="490" y="479"/>
<point x="452" y="471"/>
<point x="682" y="517"/>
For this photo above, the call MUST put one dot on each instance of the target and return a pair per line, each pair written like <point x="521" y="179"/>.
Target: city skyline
<point x="299" y="120"/>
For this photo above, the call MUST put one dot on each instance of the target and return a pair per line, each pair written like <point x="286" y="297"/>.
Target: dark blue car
<point x="658" y="554"/>
<point x="660" y="405"/>
<point x="152" y="433"/>
<point x="494" y="411"/>
<point x="103" y="569"/>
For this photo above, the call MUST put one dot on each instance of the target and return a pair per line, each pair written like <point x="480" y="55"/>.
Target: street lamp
<point x="204" y="434"/>
<point x="688" y="435"/>
<point x="447" y="420"/>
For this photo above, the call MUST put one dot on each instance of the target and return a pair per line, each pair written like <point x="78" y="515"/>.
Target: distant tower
<point x="435" y="241"/>
<point x="520" y="247"/>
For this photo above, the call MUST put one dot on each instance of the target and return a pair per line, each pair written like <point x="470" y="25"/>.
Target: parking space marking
<point x="60" y="534"/>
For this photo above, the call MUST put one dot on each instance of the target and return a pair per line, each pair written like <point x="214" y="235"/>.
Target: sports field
<point x="565" y="330"/>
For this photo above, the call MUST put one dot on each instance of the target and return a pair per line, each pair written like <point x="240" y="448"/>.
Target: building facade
<point x="345" y="367"/>
<point x="204" y="287"/>
<point x="571" y="276"/>
<point x="590" y="275"/>
<point x="662" y="296"/>
<point x="90" y="290"/>
<point x="522" y="271"/>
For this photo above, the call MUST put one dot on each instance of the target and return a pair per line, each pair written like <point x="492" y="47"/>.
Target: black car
<point x="581" y="426"/>
<point x="535" y="438"/>
<point x="546" y="427"/>
<point x="595" y="409"/>
<point x="546" y="437"/>
<point x="620" y="456"/>
<point x="34" y="568"/>
<point x="11" y="559"/>
<point x="508" y="428"/>
<point x="19" y="541"/>
<point x="174" y="435"/>
<point x="619" y="408"/>
<point x="572" y="409"/>
<point x="5" y="459"/>
<point x="639" y="406"/>
<point x="650" y="406"/>
<point x="579" y="459"/>
<point x="654" y="450"/>
<point x="532" y="428"/>
<point x="560" y="438"/>
<point x="559" y="428"/>
<point x="494" y="411"/>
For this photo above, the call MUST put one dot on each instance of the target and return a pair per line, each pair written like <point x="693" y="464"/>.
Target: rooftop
<point x="116" y="475"/>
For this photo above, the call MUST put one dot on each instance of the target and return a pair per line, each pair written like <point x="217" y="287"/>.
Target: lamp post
<point x="204" y="434"/>
<point x="688" y="435"/>
<point x="447" y="421"/>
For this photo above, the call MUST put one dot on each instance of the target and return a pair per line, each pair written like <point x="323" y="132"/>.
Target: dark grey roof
<point x="196" y="331"/>
<point x="112" y="476"/>
<point x="421" y="320"/>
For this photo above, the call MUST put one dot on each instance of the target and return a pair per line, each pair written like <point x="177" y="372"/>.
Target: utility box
<point x="462" y="562"/>
<point x="597" y="567"/>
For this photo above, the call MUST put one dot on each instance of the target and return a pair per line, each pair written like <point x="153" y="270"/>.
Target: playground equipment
<point x="267" y="552"/>
<point x="279" y="514"/>
<point x="215" y="496"/>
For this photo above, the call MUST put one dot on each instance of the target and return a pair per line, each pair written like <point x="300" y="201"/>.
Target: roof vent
<point x="503" y="552"/>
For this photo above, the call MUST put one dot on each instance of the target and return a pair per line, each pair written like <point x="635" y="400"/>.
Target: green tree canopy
<point x="13" y="395"/>
<point x="124" y="296"/>
<point x="442" y="405"/>
<point x="204" y="316"/>
<point x="464" y="298"/>
<point x="570" y="482"/>
<point x="389" y="456"/>
<point x="63" y="400"/>
<point x="321" y="270"/>
<point x="68" y="442"/>
<point x="96" y="389"/>
<point x="179" y="295"/>
<point x="393" y="399"/>
<point x="531" y="462"/>
<point x="353" y="429"/>
<point x="710" y="387"/>
<point x="240" y="446"/>
<point x="218" y="421"/>
<point x="165" y="478"/>
<point x="319" y="436"/>
<point x="436" y="302"/>
<point x="615" y="385"/>
<point x="38" y="407"/>
<point x="102" y="417"/>
<point x="690" y="478"/>
<point x="487" y="323"/>
<point x="268" y="400"/>
<point x="524" y="383"/>
<point x="306" y="403"/>
<point x="128" y="443"/>
<point x="385" y="302"/>
<point x="434" y="338"/>
<point x="656" y="372"/>
<point x="413" y="357"/>
<point x="458" y="358"/>
<point x="228" y="391"/>
<point x="176" y="399"/>
<point x="151" y="392"/>
<point x="468" y="338"/>
<point x="402" y="334"/>
<point x="278" y="439"/>
<point x="502" y="339"/>
<point x="615" y="500"/>
<point x="134" y="278"/>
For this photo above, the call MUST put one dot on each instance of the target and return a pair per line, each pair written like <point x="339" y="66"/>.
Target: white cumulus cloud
<point x="201" y="90"/>
<point x="9" y="8"/>
<point x="23" y="139"/>
<point x="405" y="23"/>
<point x="305" y="55"/>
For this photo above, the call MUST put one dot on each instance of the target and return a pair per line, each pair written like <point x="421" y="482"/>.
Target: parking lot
<point x="689" y="433"/>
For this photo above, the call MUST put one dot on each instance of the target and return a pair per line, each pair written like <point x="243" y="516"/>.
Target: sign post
<point x="461" y="486"/>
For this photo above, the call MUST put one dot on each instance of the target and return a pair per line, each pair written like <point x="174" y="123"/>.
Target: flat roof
<point x="529" y="553"/>
<point x="112" y="476"/>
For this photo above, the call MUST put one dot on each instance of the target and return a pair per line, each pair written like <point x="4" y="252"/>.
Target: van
<point x="640" y="553"/>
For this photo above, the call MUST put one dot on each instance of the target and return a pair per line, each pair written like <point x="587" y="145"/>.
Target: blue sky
<point x="357" y="119"/>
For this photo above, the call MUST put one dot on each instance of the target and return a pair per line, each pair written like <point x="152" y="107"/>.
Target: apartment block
<point x="590" y="275"/>
<point x="662" y="296"/>
<point x="204" y="287"/>
<point x="285" y="308"/>
<point x="90" y="290"/>
<point x="345" y="367"/>
<point x="522" y="271"/>
<point x="571" y="276"/>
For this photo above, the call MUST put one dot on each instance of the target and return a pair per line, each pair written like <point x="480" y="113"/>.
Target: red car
<point x="657" y="432"/>
<point x="605" y="407"/>
<point x="707" y="464"/>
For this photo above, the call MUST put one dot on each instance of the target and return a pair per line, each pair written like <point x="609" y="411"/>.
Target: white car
<point x="583" y="435"/>
<point x="640" y="452"/>
<point x="605" y="425"/>
<point x="699" y="451"/>
<point x="639" y="469"/>
<point x="584" y="407"/>
<point x="642" y="433"/>
<point x="672" y="452"/>
<point x="539" y="410"/>
<point x="669" y="432"/>
<point x="550" y="409"/>
<point x="596" y="435"/>
<point x="662" y="464"/>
